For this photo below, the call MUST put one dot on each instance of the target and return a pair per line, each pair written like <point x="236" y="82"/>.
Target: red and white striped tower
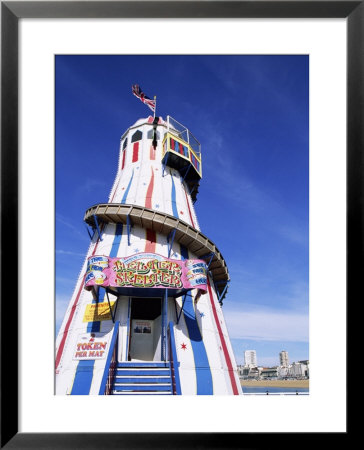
<point x="135" y="330"/>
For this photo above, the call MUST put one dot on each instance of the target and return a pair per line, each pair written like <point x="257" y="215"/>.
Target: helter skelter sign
<point x="146" y="270"/>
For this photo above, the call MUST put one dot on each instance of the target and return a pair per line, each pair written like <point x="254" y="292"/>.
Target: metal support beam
<point x="108" y="300"/>
<point x="220" y="296"/>
<point x="170" y="244"/>
<point x="211" y="255"/>
<point x="128" y="227"/>
<point x="97" y="226"/>
<point x="221" y="282"/>
<point x="183" y="303"/>
<point x="188" y="169"/>
<point x="223" y="293"/>
<point x="88" y="232"/>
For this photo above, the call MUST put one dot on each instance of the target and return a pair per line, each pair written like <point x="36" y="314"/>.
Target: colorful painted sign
<point x="146" y="270"/>
<point x="95" y="312"/>
<point x="91" y="346"/>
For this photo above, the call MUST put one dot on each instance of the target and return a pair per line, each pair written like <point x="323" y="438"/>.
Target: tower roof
<point x="145" y="120"/>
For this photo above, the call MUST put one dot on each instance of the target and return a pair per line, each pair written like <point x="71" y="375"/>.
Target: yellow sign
<point x="98" y="311"/>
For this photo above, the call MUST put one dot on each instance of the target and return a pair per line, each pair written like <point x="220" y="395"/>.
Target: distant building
<point x="254" y="373"/>
<point x="243" y="371"/>
<point x="248" y="373"/>
<point x="269" y="372"/>
<point x="306" y="362"/>
<point x="299" y="370"/>
<point x="283" y="372"/>
<point x="283" y="358"/>
<point x="250" y="358"/>
<point x="296" y="370"/>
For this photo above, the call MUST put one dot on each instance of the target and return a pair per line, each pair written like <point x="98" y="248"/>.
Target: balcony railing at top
<point x="179" y="130"/>
<point x="179" y="141"/>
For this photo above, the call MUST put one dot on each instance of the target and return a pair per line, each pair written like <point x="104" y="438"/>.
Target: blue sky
<point x="251" y="116"/>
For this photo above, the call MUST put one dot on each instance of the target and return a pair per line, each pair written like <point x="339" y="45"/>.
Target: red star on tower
<point x="184" y="346"/>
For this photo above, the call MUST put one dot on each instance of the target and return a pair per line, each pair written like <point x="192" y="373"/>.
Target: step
<point x="142" y="364"/>
<point x="142" y="387"/>
<point x="122" y="379"/>
<point x="141" y="393"/>
<point x="141" y="372"/>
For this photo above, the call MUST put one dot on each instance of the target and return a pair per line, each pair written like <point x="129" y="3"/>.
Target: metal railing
<point x="179" y="130"/>
<point x="111" y="364"/>
<point x="188" y="153"/>
<point x="275" y="393"/>
<point x="176" y="383"/>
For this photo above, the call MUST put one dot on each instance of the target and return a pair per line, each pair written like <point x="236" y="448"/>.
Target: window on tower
<point x="125" y="143"/>
<point x="137" y="136"/>
<point x="150" y="134"/>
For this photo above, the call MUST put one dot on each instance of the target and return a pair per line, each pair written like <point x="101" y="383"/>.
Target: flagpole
<point x="155" y="108"/>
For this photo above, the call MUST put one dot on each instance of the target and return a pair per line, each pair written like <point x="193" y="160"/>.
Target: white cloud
<point x="263" y="324"/>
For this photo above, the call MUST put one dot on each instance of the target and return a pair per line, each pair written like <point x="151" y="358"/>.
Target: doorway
<point x="145" y="329"/>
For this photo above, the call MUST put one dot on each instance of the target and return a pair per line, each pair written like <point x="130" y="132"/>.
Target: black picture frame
<point x="11" y="12"/>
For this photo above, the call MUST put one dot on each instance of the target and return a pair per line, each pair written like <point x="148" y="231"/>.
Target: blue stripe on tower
<point x="84" y="371"/>
<point x="95" y="326"/>
<point x="117" y="239"/>
<point x="174" y="203"/>
<point x="203" y="371"/>
<point x="83" y="378"/>
<point x="184" y="252"/>
<point x="127" y="189"/>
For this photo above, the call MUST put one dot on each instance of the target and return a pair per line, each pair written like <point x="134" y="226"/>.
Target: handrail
<point x="176" y="383"/>
<point x="188" y="158"/>
<point x="111" y="362"/>
<point x="182" y="141"/>
<point x="174" y="126"/>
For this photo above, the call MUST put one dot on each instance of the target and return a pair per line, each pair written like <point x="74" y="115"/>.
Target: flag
<point x="137" y="91"/>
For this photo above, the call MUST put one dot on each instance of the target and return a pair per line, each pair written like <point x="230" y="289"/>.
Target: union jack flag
<point x="137" y="91"/>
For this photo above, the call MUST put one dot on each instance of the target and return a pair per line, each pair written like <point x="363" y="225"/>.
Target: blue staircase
<point x="149" y="378"/>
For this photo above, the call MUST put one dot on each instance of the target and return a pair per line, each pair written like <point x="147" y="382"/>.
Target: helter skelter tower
<point x="146" y="313"/>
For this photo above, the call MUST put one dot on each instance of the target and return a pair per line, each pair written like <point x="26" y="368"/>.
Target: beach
<point x="276" y="383"/>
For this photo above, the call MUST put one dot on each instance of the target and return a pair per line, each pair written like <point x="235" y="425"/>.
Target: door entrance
<point x="145" y="330"/>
